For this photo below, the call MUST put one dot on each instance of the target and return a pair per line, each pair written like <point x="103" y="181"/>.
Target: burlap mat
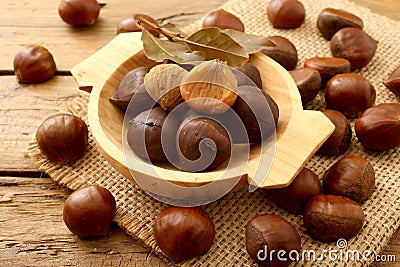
<point x="136" y="210"/>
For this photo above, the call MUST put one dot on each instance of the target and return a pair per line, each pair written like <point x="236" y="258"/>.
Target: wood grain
<point x="33" y="233"/>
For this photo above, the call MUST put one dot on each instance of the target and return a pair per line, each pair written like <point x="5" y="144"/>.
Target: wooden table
<point x="32" y="231"/>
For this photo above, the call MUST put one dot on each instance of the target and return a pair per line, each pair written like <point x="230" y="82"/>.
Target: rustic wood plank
<point x="33" y="232"/>
<point x="22" y="110"/>
<point x="38" y="22"/>
<point x="388" y="8"/>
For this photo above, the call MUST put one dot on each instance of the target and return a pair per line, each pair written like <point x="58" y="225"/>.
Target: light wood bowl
<point x="299" y="133"/>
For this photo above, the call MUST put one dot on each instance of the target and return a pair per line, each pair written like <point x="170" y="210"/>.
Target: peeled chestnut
<point x="34" y="64"/>
<point x="269" y="232"/>
<point x="393" y="81"/>
<point x="308" y="81"/>
<point x="251" y="72"/>
<point x="204" y="144"/>
<point x="354" y="45"/>
<point x="330" y="20"/>
<point x="285" y="53"/>
<point x="79" y="12"/>
<point x="339" y="141"/>
<point x="130" y="24"/>
<point x="144" y="134"/>
<point x="62" y="137"/>
<point x="130" y="85"/>
<point x="328" y="66"/>
<point x="183" y="233"/>
<point x="293" y="198"/>
<point x="224" y="20"/>
<point x="328" y="218"/>
<point x="352" y="177"/>
<point x="89" y="211"/>
<point x="349" y="93"/>
<point x="286" y="14"/>
<point x="378" y="128"/>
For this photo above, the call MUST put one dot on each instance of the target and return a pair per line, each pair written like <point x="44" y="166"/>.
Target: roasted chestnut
<point x="34" y="64"/>
<point x="286" y="14"/>
<point x="330" y="20"/>
<point x="183" y="233"/>
<point x="89" y="211"/>
<point x="308" y="81"/>
<point x="328" y="66"/>
<point x="224" y="20"/>
<point x="285" y="53"/>
<point x="130" y="24"/>
<point x="250" y="72"/>
<point x="62" y="137"/>
<point x="79" y="12"/>
<point x="393" y="81"/>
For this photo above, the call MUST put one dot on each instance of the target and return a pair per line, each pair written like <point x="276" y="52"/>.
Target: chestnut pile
<point x="195" y="106"/>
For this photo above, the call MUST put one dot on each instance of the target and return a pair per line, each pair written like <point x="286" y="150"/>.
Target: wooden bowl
<point x="299" y="133"/>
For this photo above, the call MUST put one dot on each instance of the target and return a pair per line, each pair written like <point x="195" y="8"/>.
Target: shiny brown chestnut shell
<point x="199" y="139"/>
<point x="378" y="128"/>
<point x="354" y="45"/>
<point x="251" y="72"/>
<point x="183" y="233"/>
<point x="330" y="20"/>
<point x="224" y="20"/>
<point x="294" y="197"/>
<point x="328" y="66"/>
<point x="351" y="176"/>
<point x="328" y="218"/>
<point x="308" y="81"/>
<point x="144" y="134"/>
<point x="34" y="64"/>
<point x="349" y="93"/>
<point x="285" y="53"/>
<point x="339" y="141"/>
<point x="393" y="81"/>
<point x="89" y="211"/>
<point x="62" y="138"/>
<point x="78" y="12"/>
<point x="286" y="14"/>
<point x="269" y="232"/>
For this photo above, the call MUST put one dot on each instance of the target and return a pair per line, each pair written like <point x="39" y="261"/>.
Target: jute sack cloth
<point x="137" y="211"/>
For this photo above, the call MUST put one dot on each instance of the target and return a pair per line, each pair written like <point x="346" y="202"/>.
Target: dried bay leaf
<point x="159" y="49"/>
<point x="252" y="43"/>
<point x="216" y="44"/>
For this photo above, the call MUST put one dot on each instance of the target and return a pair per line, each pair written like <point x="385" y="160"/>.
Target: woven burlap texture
<point x="137" y="211"/>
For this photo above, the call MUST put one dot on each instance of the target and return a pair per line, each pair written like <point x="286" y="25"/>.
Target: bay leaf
<point x="216" y="44"/>
<point x="252" y="43"/>
<point x="159" y="49"/>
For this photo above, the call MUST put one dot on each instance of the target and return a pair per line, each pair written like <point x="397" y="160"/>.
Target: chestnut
<point x="144" y="134"/>
<point x="250" y="71"/>
<point x="79" y="12"/>
<point x="378" y="128"/>
<point x="328" y="218"/>
<point x="393" y="81"/>
<point x="258" y="112"/>
<point x="339" y="141"/>
<point x="328" y="66"/>
<point x="354" y="45"/>
<point x="204" y="144"/>
<point x="130" y="24"/>
<point x="224" y="20"/>
<point x="62" y="138"/>
<point x="293" y="198"/>
<point x="269" y="232"/>
<point x="349" y="93"/>
<point x="130" y="85"/>
<point x="308" y="81"/>
<point x="286" y="14"/>
<point x="351" y="176"/>
<point x="34" y="64"/>
<point x="183" y="233"/>
<point x="330" y="20"/>
<point x="89" y="211"/>
<point x="285" y="53"/>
